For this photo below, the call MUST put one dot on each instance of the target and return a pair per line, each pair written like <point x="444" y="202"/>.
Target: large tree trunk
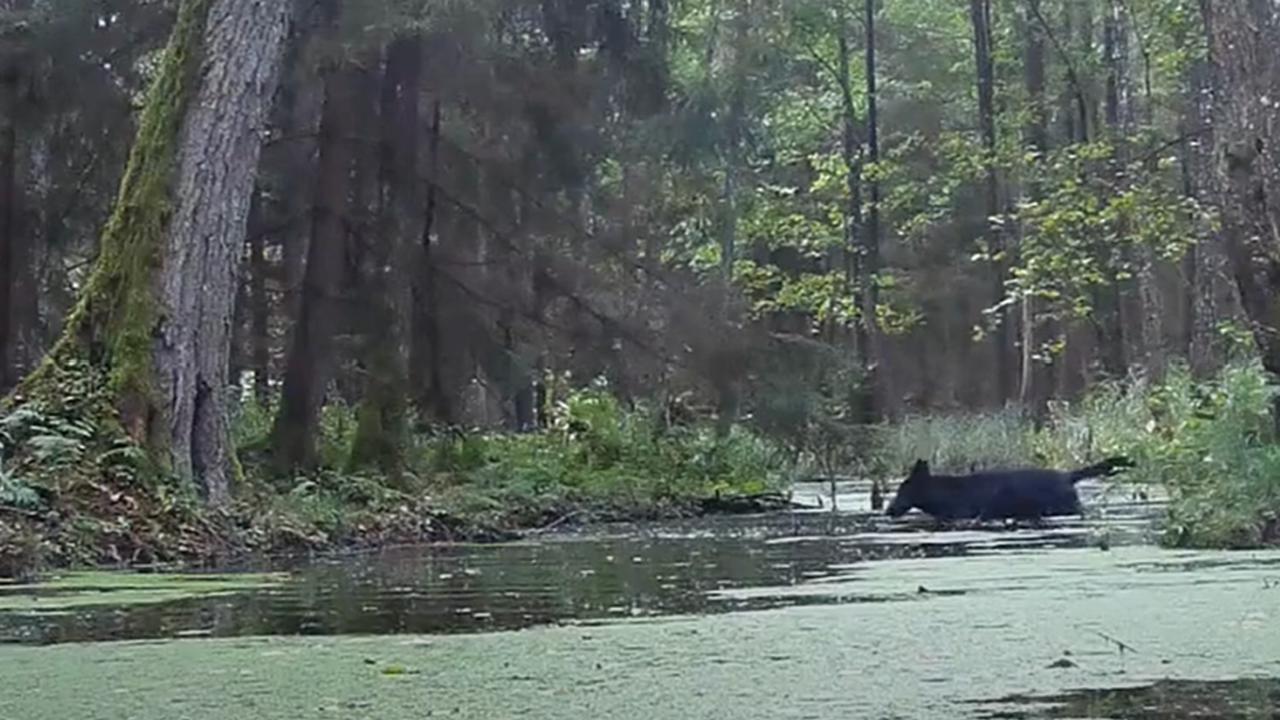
<point x="156" y="313"/>
<point x="383" y="412"/>
<point x="1212" y="295"/>
<point x="1243" y="37"/>
<point x="217" y="158"/>
<point x="309" y="363"/>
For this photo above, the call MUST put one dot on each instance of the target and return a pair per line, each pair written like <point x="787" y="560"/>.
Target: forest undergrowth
<point x="77" y="493"/>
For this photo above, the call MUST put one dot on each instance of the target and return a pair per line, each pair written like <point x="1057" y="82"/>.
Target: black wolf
<point x="1023" y="494"/>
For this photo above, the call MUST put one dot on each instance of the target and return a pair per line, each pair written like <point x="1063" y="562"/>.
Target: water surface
<point x="807" y="615"/>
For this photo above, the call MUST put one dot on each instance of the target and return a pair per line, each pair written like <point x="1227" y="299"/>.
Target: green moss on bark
<point x="382" y="418"/>
<point x="111" y="330"/>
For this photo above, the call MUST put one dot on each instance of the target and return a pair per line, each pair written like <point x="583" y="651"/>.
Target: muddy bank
<point x="32" y="543"/>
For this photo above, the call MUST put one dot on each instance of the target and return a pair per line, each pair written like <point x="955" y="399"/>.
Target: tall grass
<point x="954" y="443"/>
<point x="1213" y="444"/>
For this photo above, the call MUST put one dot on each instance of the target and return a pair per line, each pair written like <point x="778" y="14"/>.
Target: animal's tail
<point x="1106" y="468"/>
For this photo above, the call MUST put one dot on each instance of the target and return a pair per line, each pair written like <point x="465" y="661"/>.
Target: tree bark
<point x="217" y="159"/>
<point x="1036" y="375"/>
<point x="259" y="316"/>
<point x="854" y="229"/>
<point x="1243" y="38"/>
<point x="1113" y="303"/>
<point x="309" y="364"/>
<point x="980" y="16"/>
<point x="874" y="393"/>
<point x="383" y="412"/>
<point x="11" y="72"/>
<point x="1212" y="297"/>
<point x="155" y="315"/>
<point x="430" y="397"/>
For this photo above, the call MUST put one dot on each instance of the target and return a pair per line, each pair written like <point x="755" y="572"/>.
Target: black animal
<point x="1023" y="494"/>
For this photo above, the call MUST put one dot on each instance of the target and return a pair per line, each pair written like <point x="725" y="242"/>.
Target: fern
<point x="14" y="492"/>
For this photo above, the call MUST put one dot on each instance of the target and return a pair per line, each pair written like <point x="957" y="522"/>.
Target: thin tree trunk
<point x="1113" y="303"/>
<point x="431" y="399"/>
<point x="980" y="16"/>
<point x="874" y="392"/>
<point x="853" y="227"/>
<point x="383" y="413"/>
<point x="259" y="317"/>
<point x="1036" y="376"/>
<point x="309" y="364"/>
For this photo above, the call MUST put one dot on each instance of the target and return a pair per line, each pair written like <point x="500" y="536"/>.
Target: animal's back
<point x="1031" y="493"/>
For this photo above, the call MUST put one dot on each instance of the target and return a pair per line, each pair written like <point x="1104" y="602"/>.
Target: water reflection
<point x="620" y="571"/>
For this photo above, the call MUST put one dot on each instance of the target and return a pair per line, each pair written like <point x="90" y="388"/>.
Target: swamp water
<point x="805" y="615"/>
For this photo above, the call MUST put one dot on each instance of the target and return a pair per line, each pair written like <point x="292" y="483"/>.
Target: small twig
<point x="1123" y="646"/>
<point x="557" y="523"/>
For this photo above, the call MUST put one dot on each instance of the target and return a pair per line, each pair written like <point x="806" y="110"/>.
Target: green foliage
<point x="1083" y="232"/>
<point x="599" y="459"/>
<point x="15" y="492"/>
<point x="1212" y="443"/>
<point x="596" y="459"/>
<point x="809" y="399"/>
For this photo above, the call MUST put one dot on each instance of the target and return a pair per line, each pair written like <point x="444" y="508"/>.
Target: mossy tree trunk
<point x="155" y="316"/>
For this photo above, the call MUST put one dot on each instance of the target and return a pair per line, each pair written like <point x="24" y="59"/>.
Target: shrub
<point x="1211" y="443"/>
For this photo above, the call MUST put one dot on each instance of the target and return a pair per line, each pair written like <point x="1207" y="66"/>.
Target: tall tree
<point x="155" y="315"/>
<point x="869" y="254"/>
<point x="980" y="17"/>
<point x="310" y="361"/>
<point x="13" y="64"/>
<point x="1035" y="381"/>
<point x="383" y="412"/>
<point x="1246" y="80"/>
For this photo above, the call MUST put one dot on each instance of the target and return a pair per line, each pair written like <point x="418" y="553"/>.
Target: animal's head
<point x="905" y="499"/>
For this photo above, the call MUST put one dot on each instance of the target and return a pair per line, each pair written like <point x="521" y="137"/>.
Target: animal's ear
<point x="920" y="468"/>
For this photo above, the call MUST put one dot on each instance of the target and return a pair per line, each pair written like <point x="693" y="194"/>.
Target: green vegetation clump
<point x="599" y="459"/>
<point x="1212" y="443"/>
<point x="594" y="461"/>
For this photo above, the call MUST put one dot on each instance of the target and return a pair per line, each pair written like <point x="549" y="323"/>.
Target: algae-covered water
<point x="791" y="616"/>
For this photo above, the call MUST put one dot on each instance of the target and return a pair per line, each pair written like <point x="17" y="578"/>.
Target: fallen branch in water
<point x="556" y="523"/>
<point x="1123" y="646"/>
